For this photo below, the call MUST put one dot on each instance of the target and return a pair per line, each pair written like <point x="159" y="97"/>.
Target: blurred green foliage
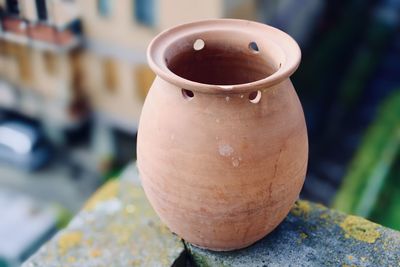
<point x="371" y="187"/>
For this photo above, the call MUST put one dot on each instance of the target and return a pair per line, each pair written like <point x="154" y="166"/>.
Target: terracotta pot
<point x="222" y="141"/>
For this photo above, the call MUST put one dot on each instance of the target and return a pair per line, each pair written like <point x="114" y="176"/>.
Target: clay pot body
<point x="222" y="141"/>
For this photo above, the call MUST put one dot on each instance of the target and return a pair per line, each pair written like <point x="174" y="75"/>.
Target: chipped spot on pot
<point x="235" y="162"/>
<point x="225" y="150"/>
<point x="241" y="96"/>
<point x="227" y="98"/>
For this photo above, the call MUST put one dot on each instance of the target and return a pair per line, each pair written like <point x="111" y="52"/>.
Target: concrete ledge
<point x="313" y="235"/>
<point x="117" y="227"/>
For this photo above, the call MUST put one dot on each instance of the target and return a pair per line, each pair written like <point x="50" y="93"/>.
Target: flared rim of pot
<point x="277" y="49"/>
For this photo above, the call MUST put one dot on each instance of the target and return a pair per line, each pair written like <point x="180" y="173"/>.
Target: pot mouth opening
<point x="220" y="62"/>
<point x="223" y="55"/>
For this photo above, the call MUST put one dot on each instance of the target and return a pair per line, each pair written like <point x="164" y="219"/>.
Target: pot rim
<point x="289" y="48"/>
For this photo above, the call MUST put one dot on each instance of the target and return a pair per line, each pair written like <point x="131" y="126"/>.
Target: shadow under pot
<point x="222" y="141"/>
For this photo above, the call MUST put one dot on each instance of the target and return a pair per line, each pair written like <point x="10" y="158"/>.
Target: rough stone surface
<point x="313" y="235"/>
<point x="117" y="227"/>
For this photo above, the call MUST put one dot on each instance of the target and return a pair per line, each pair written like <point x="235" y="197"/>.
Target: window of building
<point x="125" y="147"/>
<point x="144" y="78"/>
<point x="50" y="62"/>
<point x="24" y="64"/>
<point x="11" y="49"/>
<point x="12" y="7"/>
<point x="2" y="47"/>
<point x="41" y="9"/>
<point x="110" y="74"/>
<point x="76" y="69"/>
<point x="104" y="7"/>
<point x="144" y="12"/>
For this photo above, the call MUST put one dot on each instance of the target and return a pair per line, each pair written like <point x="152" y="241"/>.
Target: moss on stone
<point x="360" y="229"/>
<point x="301" y="208"/>
<point x="118" y="227"/>
<point x="95" y="253"/>
<point x="303" y="235"/>
<point x="108" y="191"/>
<point x="66" y="241"/>
<point x="313" y="235"/>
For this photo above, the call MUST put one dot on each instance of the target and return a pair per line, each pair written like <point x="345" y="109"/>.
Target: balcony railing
<point x="41" y="34"/>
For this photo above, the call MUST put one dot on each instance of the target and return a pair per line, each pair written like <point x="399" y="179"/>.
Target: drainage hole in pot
<point x="254" y="47"/>
<point x="187" y="94"/>
<point x="255" y="97"/>
<point x="198" y="44"/>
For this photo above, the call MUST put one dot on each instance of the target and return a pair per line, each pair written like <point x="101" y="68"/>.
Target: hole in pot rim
<point x="255" y="97"/>
<point x="254" y="47"/>
<point x="198" y="44"/>
<point x="187" y="94"/>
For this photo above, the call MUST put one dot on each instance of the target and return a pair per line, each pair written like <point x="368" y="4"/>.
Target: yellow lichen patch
<point x="130" y="209"/>
<point x="95" y="253"/>
<point x="68" y="240"/>
<point x="121" y="233"/>
<point x="350" y="257"/>
<point x="303" y="235"/>
<point x="136" y="262"/>
<point x="324" y="216"/>
<point x="89" y="242"/>
<point x="360" y="229"/>
<point x="320" y="206"/>
<point x="71" y="259"/>
<point x="108" y="191"/>
<point x="329" y="218"/>
<point x="301" y="208"/>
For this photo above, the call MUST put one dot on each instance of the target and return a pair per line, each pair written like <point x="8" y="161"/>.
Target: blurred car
<point x="23" y="145"/>
<point x="25" y="225"/>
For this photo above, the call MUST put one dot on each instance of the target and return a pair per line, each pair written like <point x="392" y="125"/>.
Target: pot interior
<point x="220" y="61"/>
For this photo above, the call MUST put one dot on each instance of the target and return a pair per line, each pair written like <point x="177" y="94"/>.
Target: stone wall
<point x="117" y="227"/>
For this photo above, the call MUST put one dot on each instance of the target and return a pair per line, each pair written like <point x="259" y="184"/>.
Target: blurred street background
<point x="73" y="78"/>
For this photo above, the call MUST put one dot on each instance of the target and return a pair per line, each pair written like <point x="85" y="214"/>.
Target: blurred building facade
<point x="62" y="61"/>
<point x="38" y="43"/>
